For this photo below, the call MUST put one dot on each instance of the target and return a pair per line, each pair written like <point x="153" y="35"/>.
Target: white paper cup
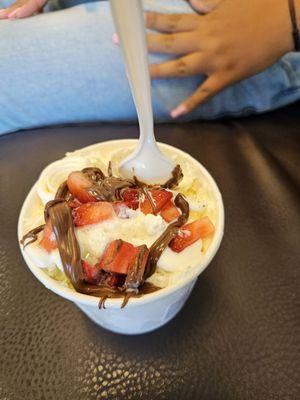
<point x="150" y="311"/>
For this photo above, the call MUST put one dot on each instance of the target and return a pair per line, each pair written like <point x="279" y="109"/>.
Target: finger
<point x="205" y="6"/>
<point x="28" y="9"/>
<point x="3" y="13"/>
<point x="13" y="14"/>
<point x="172" y="43"/>
<point x="191" y="64"/>
<point x="6" y="11"/>
<point x="208" y="89"/>
<point x="171" y="22"/>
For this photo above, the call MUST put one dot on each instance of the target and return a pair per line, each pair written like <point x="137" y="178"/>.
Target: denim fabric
<point x="61" y="67"/>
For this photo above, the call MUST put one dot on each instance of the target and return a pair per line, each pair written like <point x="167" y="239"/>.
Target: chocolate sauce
<point x="165" y="238"/>
<point x="109" y="169"/>
<point x="50" y="204"/>
<point x="148" y="195"/>
<point x="145" y="288"/>
<point x="135" y="274"/>
<point x="94" y="174"/>
<point x="63" y="191"/>
<point x="177" y="175"/>
<point x="31" y="235"/>
<point x="171" y="183"/>
<point x="107" y="189"/>
<point x="63" y="227"/>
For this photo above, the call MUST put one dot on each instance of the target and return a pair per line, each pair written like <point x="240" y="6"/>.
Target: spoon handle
<point x="129" y="21"/>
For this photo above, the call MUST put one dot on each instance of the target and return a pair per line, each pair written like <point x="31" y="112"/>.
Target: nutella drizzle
<point x="107" y="189"/>
<point x="165" y="238"/>
<point x="135" y="274"/>
<point x="144" y="188"/>
<point x="32" y="235"/>
<point x="95" y="174"/>
<point x="63" y="227"/>
<point x="109" y="169"/>
<point x="148" y="195"/>
<point x="62" y="191"/>
<point x="177" y="175"/>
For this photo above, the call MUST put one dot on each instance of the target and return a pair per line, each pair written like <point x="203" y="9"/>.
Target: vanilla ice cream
<point x="130" y="225"/>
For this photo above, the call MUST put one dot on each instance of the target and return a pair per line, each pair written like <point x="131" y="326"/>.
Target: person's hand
<point x="236" y="40"/>
<point x="22" y="9"/>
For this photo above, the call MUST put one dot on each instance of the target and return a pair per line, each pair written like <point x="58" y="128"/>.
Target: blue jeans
<point x="61" y="67"/>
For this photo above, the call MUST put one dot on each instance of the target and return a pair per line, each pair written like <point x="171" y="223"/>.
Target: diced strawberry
<point x="160" y="198"/>
<point x="74" y="203"/>
<point x="117" y="257"/>
<point x="92" y="213"/>
<point x="137" y="253"/>
<point x="169" y="211"/>
<point x="48" y="240"/>
<point x="131" y="195"/>
<point x="190" y="233"/>
<point x="78" y="183"/>
<point x="133" y="204"/>
<point x="136" y="267"/>
<point x="115" y="280"/>
<point x="110" y="252"/>
<point x="131" y="198"/>
<point x="122" y="259"/>
<point x="92" y="273"/>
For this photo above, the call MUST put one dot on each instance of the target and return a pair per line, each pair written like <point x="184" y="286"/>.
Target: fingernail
<point x="180" y="110"/>
<point x="13" y="14"/>
<point x="205" y="10"/>
<point x="200" y="6"/>
<point x="115" y="38"/>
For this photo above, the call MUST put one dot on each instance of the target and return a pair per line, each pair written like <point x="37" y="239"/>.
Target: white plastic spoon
<point x="147" y="162"/>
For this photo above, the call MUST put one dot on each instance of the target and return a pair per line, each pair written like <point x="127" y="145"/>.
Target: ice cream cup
<point x="142" y="314"/>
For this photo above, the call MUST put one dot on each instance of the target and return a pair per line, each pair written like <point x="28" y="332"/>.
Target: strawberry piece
<point x="131" y="198"/>
<point x="169" y="211"/>
<point x="110" y="253"/>
<point x="131" y="195"/>
<point x="160" y="198"/>
<point x="92" y="273"/>
<point x="136" y="269"/>
<point x="92" y="213"/>
<point x="133" y="204"/>
<point x="190" y="233"/>
<point x="117" y="256"/>
<point x="78" y="183"/>
<point x="48" y="240"/>
<point x="115" y="280"/>
<point x="74" y="203"/>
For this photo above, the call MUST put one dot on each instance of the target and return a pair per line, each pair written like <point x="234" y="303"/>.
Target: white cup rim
<point x="77" y="297"/>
